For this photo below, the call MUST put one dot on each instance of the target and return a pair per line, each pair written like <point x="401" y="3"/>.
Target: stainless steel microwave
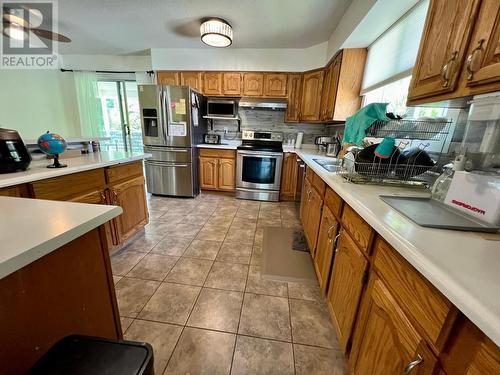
<point x="226" y="108"/>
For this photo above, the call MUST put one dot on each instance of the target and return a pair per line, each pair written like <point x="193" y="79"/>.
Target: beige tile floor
<point x="190" y="285"/>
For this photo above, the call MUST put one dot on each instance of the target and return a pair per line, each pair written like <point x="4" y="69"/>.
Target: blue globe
<point x="52" y="144"/>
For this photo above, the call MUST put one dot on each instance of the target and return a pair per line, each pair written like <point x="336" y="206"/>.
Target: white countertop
<point x="38" y="168"/>
<point x="464" y="266"/>
<point x="47" y="225"/>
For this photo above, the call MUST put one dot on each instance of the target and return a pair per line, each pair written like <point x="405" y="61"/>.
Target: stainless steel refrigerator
<point x="172" y="126"/>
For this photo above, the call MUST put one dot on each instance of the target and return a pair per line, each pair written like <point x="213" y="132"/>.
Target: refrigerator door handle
<point x="164" y="106"/>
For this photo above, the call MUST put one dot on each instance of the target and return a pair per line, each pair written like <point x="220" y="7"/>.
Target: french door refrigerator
<point x="172" y="126"/>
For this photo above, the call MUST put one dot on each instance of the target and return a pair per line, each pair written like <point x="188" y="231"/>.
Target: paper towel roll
<point x="298" y="142"/>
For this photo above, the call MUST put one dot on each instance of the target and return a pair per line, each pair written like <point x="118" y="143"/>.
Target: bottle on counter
<point x="298" y="142"/>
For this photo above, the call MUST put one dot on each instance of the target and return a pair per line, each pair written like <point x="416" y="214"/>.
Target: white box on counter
<point x="476" y="194"/>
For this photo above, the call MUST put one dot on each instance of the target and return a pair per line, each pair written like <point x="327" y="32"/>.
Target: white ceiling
<point x="133" y="26"/>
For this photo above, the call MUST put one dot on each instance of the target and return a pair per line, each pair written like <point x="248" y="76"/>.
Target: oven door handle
<point x="259" y="153"/>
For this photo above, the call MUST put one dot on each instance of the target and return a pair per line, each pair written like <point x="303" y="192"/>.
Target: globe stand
<point x="56" y="163"/>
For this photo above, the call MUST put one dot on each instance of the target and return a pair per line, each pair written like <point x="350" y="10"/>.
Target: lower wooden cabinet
<point x="346" y="285"/>
<point x="385" y="342"/>
<point x="100" y="197"/>
<point x="226" y="174"/>
<point x="217" y="169"/>
<point x="289" y="176"/>
<point x="323" y="257"/>
<point x="129" y="195"/>
<point x="19" y="191"/>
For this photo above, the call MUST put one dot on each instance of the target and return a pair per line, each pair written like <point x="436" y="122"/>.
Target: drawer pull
<point x="410" y="366"/>
<point x="445" y="72"/>
<point x="470" y="59"/>
<point x="330" y="230"/>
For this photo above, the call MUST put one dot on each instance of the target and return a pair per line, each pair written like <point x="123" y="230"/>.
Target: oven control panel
<point x="262" y="136"/>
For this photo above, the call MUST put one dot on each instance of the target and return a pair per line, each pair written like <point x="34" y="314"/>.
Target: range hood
<point x="278" y="104"/>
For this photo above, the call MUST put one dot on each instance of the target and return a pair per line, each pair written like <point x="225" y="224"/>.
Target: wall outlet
<point x="226" y="129"/>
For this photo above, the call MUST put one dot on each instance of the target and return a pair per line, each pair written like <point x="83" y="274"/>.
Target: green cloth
<point x="356" y="125"/>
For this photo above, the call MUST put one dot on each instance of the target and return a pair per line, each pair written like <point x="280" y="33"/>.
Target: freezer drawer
<point x="165" y="178"/>
<point x="169" y="154"/>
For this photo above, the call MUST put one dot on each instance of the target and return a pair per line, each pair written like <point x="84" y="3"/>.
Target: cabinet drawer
<point x="333" y="201"/>
<point x="124" y="171"/>
<point x="319" y="184"/>
<point x="69" y="186"/>
<point x="15" y="191"/>
<point x="217" y="153"/>
<point x="418" y="298"/>
<point x="360" y="230"/>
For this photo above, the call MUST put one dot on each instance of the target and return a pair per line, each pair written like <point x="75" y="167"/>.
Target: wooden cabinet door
<point x="326" y="92"/>
<point x="482" y="65"/>
<point x="212" y="83"/>
<point x="304" y="203"/>
<point x="100" y="197"/>
<point x="315" y="206"/>
<point x="442" y="47"/>
<point x="323" y="257"/>
<point x="275" y="84"/>
<point x="208" y="173"/>
<point x="311" y="95"/>
<point x="289" y="176"/>
<point x="168" y="78"/>
<point x="131" y="197"/>
<point x="385" y="342"/>
<point x="332" y="91"/>
<point x="294" y="95"/>
<point x="227" y="174"/>
<point x="346" y="285"/>
<point x="20" y="191"/>
<point x="193" y="80"/>
<point x="253" y="84"/>
<point x="231" y="84"/>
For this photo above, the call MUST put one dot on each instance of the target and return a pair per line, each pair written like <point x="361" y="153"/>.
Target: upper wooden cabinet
<point x="275" y="84"/>
<point x="483" y="61"/>
<point x="212" y="83"/>
<point x="442" y="48"/>
<point x="343" y="76"/>
<point x="459" y="53"/>
<point x="294" y="95"/>
<point x="253" y="84"/>
<point x="312" y="86"/>
<point x="385" y="341"/>
<point x="168" y="78"/>
<point x="231" y="84"/>
<point x="192" y="79"/>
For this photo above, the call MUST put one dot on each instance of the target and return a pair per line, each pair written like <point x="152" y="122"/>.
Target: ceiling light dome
<point x="216" y="32"/>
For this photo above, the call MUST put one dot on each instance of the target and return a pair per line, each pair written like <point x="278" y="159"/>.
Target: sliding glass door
<point x="121" y="122"/>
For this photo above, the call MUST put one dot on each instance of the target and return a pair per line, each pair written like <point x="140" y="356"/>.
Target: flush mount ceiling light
<point x="216" y="32"/>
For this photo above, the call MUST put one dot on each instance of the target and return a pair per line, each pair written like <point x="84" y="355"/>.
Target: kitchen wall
<point x="258" y="119"/>
<point x="34" y="101"/>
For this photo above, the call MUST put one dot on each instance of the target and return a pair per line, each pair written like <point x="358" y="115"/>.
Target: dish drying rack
<point x="396" y="171"/>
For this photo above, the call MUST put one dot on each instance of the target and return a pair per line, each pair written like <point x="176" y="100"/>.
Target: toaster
<point x="14" y="155"/>
<point x="213" y="139"/>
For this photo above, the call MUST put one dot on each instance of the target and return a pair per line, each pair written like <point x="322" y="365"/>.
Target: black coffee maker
<point x="14" y="155"/>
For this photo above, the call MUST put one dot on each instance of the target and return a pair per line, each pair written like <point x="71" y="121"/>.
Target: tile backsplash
<point x="260" y="119"/>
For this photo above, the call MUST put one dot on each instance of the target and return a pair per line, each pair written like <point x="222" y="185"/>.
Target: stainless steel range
<point x="258" y="166"/>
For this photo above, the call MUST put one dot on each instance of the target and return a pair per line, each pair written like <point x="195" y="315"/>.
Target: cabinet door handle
<point x="103" y="197"/>
<point x="115" y="197"/>
<point x="335" y="241"/>
<point x="446" y="71"/>
<point x="410" y="366"/>
<point x="329" y="232"/>
<point x="470" y="59"/>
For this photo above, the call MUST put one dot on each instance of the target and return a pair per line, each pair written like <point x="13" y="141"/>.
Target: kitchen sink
<point x="331" y="164"/>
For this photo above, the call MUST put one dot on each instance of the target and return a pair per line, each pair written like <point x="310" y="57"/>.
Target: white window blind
<point x="393" y="54"/>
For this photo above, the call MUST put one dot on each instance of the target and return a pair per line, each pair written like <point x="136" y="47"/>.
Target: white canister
<point x="298" y="142"/>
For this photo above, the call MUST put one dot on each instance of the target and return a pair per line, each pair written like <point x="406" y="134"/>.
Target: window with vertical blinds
<point x="393" y="54"/>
